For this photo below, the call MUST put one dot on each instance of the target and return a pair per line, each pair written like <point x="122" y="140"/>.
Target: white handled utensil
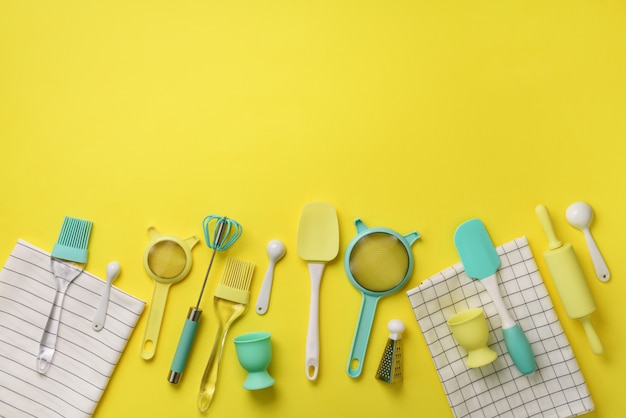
<point x="579" y="215"/>
<point x="113" y="270"/>
<point x="481" y="262"/>
<point x="317" y="243"/>
<point x="275" y="252"/>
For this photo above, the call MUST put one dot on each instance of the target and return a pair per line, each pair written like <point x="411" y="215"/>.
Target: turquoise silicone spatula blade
<point x="481" y="262"/>
<point x="478" y="255"/>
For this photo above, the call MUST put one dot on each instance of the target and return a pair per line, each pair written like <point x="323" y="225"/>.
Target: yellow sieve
<point x="167" y="260"/>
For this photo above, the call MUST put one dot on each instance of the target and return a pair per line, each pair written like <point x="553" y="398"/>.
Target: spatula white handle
<point x="491" y="285"/>
<point x="312" y="338"/>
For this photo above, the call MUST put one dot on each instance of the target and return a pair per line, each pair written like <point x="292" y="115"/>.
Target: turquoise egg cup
<point x="254" y="351"/>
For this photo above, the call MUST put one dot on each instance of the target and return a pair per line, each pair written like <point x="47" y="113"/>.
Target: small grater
<point x="390" y="368"/>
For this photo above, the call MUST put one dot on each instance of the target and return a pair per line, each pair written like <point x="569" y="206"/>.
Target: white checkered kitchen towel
<point x="556" y="389"/>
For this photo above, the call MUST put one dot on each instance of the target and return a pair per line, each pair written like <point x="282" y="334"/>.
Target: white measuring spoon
<point x="113" y="270"/>
<point x="579" y="215"/>
<point x="275" y="251"/>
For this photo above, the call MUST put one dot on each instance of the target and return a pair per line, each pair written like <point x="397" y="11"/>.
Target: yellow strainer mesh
<point x="379" y="261"/>
<point x="166" y="259"/>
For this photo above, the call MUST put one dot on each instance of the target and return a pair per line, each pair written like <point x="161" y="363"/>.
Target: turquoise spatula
<point x="481" y="262"/>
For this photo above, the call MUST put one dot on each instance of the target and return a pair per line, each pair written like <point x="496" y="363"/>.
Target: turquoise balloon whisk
<point x="220" y="233"/>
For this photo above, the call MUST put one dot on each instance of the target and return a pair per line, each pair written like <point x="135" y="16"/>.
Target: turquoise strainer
<point x="378" y="262"/>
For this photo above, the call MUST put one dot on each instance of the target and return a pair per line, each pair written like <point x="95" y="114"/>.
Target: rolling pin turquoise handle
<point x="184" y="345"/>
<point x="519" y="349"/>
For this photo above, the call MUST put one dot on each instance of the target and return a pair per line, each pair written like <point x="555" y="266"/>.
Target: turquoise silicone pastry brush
<point x="481" y="262"/>
<point x="67" y="261"/>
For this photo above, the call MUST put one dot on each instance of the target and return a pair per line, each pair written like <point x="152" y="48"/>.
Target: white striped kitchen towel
<point x="84" y="359"/>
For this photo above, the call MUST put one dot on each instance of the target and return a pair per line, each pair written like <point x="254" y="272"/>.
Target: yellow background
<point x="409" y="114"/>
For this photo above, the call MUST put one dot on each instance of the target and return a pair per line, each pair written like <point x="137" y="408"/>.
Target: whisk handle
<point x="185" y="343"/>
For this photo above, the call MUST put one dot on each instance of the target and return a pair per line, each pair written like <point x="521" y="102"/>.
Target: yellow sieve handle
<point x="155" y="317"/>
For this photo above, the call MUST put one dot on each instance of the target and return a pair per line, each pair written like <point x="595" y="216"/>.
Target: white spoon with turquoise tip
<point x="481" y="262"/>
<point x="579" y="215"/>
<point x="113" y="270"/>
<point x="275" y="251"/>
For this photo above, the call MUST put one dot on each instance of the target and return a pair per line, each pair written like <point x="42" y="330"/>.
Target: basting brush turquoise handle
<point x="184" y="345"/>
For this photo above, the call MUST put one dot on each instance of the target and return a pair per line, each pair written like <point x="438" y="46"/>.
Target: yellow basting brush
<point x="230" y="301"/>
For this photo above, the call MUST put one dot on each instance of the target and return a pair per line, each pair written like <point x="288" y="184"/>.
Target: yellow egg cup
<point x="470" y="330"/>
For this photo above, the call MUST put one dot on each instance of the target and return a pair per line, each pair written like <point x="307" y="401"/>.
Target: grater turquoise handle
<point x="184" y="345"/>
<point x="362" y="335"/>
